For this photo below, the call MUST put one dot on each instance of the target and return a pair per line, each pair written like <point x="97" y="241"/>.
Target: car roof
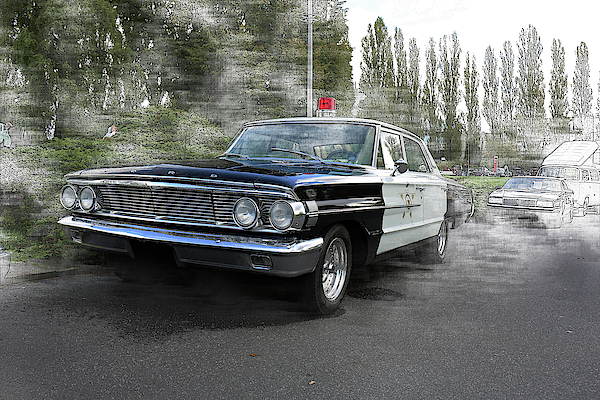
<point x="329" y="120"/>
<point x="574" y="153"/>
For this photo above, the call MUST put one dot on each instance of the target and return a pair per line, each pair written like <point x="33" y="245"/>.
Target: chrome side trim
<point x="312" y="214"/>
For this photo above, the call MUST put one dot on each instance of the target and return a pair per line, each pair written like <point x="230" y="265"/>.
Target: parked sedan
<point x="300" y="197"/>
<point x="539" y="200"/>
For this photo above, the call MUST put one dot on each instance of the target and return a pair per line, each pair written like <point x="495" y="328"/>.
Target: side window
<point x="390" y="149"/>
<point x="594" y="174"/>
<point x="414" y="156"/>
<point x="571" y="173"/>
<point x="585" y="175"/>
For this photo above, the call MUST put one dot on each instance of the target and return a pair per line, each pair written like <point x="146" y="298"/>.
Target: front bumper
<point x="526" y="216"/>
<point x="284" y="256"/>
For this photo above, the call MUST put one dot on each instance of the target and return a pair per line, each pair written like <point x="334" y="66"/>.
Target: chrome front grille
<point x="196" y="206"/>
<point x="519" y="202"/>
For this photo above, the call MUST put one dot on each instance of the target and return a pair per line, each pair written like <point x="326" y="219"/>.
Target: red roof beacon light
<point x="326" y="107"/>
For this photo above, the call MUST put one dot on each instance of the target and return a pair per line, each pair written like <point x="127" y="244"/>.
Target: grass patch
<point x="147" y="136"/>
<point x="481" y="186"/>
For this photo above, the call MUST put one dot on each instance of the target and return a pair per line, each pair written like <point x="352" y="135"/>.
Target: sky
<point x="481" y="23"/>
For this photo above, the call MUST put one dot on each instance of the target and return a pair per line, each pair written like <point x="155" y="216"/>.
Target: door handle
<point x="420" y="188"/>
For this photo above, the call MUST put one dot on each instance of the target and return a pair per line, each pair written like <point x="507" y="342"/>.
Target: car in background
<point x="305" y="198"/>
<point x="537" y="200"/>
<point x="577" y="163"/>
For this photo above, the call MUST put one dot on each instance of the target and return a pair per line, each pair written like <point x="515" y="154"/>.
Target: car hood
<point x="270" y="171"/>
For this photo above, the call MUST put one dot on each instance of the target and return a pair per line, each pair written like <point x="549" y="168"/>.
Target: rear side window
<point x="415" y="156"/>
<point x="585" y="175"/>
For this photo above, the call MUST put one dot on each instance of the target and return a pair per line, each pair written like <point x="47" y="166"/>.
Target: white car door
<point x="429" y="182"/>
<point x="402" y="194"/>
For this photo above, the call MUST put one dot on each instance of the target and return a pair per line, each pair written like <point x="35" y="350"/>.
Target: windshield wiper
<point x="234" y="155"/>
<point x="300" y="153"/>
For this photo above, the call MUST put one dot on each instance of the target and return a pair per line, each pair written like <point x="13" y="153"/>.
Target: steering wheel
<point x="340" y="155"/>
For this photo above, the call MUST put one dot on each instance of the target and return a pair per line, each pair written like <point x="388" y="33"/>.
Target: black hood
<point x="273" y="171"/>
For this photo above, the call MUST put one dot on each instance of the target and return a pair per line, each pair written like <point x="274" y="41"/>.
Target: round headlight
<point x="245" y="213"/>
<point x="281" y="215"/>
<point x="68" y="197"/>
<point x="87" y="198"/>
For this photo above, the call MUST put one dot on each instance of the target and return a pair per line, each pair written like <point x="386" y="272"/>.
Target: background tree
<point x="413" y="83"/>
<point x="582" y="91"/>
<point x="473" y="119"/>
<point x="377" y="73"/>
<point x="530" y="79"/>
<point x="491" y="105"/>
<point x="450" y="95"/>
<point x="401" y="75"/>
<point x="431" y="123"/>
<point x="332" y="54"/>
<point x="558" y="86"/>
<point x="508" y="90"/>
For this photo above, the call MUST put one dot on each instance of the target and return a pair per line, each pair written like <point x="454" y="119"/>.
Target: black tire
<point x="326" y="286"/>
<point x="434" y="251"/>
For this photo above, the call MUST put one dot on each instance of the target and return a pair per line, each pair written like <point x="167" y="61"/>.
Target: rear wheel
<point x="326" y="285"/>
<point x="434" y="251"/>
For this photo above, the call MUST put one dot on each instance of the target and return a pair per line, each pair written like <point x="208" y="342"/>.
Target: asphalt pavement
<point x="512" y="313"/>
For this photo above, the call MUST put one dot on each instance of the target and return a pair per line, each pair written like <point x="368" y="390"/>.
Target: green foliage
<point x="144" y="136"/>
<point x="481" y="186"/>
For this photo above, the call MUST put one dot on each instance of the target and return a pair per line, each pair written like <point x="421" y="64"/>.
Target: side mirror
<point x="400" y="166"/>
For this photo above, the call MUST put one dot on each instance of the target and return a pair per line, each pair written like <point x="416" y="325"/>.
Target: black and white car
<point x="535" y="200"/>
<point x="311" y="198"/>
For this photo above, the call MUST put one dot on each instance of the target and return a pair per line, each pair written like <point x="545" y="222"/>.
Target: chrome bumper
<point x="280" y="256"/>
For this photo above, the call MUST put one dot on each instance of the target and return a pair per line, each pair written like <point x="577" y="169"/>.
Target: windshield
<point x="559" y="172"/>
<point x="533" y="184"/>
<point x="340" y="142"/>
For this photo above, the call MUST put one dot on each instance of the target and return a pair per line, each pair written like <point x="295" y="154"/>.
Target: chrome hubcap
<point x="335" y="267"/>
<point x="442" y="238"/>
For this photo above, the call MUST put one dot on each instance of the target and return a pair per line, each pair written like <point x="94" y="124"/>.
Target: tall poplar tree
<point x="377" y="73"/>
<point x="430" y="94"/>
<point x="582" y="91"/>
<point x="491" y="106"/>
<point x="530" y="79"/>
<point x="450" y="93"/>
<point x="473" y="119"/>
<point x="376" y="65"/>
<point x="508" y="89"/>
<point x="413" y="83"/>
<point x="558" y="85"/>
<point x="401" y="75"/>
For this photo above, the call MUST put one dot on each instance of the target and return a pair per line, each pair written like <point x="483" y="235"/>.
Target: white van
<point x="577" y="163"/>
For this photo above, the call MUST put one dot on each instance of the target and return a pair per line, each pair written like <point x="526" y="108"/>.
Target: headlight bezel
<point x="75" y="201"/>
<point x="92" y="199"/>
<point x="297" y="215"/>
<point x="280" y="207"/>
<point x="251" y="205"/>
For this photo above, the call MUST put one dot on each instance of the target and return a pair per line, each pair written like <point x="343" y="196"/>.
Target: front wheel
<point x="326" y="285"/>
<point x="434" y="251"/>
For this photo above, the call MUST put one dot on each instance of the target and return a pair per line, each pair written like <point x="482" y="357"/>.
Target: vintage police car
<point x="300" y="197"/>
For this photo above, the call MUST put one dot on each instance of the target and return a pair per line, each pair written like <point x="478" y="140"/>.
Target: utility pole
<point x="309" y="91"/>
